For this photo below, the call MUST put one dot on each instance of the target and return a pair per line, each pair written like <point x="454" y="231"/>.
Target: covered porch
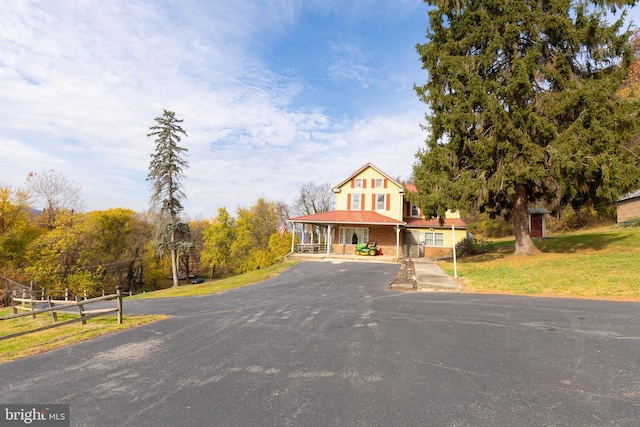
<point x="338" y="233"/>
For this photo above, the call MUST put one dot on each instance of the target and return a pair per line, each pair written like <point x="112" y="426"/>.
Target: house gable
<point x="370" y="189"/>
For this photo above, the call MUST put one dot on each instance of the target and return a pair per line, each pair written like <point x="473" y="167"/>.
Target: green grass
<point x="38" y="342"/>
<point x="220" y="285"/>
<point x="602" y="263"/>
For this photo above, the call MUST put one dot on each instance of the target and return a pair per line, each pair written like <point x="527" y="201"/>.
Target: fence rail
<point x="55" y="306"/>
<point x="41" y="295"/>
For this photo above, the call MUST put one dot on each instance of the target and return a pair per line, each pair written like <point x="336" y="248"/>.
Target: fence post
<point x="33" y="306"/>
<point x="119" y="292"/>
<point x="54" y="315"/>
<point x="13" y="303"/>
<point x="85" y="294"/>
<point x="81" y="310"/>
<point x="103" y="292"/>
<point x="66" y="294"/>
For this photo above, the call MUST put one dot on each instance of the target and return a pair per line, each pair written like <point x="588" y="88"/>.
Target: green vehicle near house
<point x="367" y="249"/>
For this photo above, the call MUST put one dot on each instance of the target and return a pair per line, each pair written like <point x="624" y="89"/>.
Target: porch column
<point x="328" y="239"/>
<point x="397" y="241"/>
<point x="293" y="235"/>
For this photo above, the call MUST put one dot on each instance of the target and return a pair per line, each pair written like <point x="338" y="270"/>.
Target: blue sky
<point x="273" y="94"/>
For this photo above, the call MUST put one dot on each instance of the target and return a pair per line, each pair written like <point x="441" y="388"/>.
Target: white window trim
<point x="345" y="234"/>
<point x="358" y="183"/>
<point x="356" y="202"/>
<point x="384" y="202"/>
<point x="434" y="240"/>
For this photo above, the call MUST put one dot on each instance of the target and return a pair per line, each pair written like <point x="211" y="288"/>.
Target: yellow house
<point x="371" y="207"/>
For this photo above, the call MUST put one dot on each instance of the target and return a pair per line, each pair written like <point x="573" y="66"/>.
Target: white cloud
<point x="82" y="82"/>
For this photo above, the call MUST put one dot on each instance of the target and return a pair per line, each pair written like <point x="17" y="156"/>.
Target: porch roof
<point x="347" y="217"/>
<point x="435" y="223"/>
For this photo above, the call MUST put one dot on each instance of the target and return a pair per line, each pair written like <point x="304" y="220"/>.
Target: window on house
<point x="355" y="202"/>
<point x="434" y="239"/>
<point x="415" y="211"/>
<point x="357" y="183"/>
<point x="353" y="235"/>
<point x="381" y="202"/>
<point x="378" y="183"/>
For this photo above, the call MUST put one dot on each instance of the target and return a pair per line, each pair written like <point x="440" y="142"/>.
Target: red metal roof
<point x="435" y="223"/>
<point x="347" y="217"/>
<point x="411" y="187"/>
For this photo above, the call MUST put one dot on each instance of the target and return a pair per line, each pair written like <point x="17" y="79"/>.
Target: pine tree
<point x="166" y="173"/>
<point x="523" y="107"/>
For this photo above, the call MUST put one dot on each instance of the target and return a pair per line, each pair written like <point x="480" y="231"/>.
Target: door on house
<point x="536" y="225"/>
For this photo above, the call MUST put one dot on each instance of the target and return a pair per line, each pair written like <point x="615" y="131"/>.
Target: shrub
<point x="567" y="218"/>
<point x="482" y="224"/>
<point x="472" y="246"/>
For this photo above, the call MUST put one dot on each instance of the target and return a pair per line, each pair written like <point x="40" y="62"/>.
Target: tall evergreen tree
<point x="523" y="107"/>
<point x="166" y="173"/>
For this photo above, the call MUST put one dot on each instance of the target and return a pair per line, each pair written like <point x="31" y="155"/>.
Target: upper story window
<point x="355" y="202"/>
<point x="415" y="211"/>
<point x="378" y="183"/>
<point x="358" y="183"/>
<point x="381" y="202"/>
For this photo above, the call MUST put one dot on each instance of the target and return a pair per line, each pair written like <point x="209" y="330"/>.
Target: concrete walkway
<point x="430" y="277"/>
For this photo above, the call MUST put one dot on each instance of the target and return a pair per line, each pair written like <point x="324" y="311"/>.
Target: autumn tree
<point x="314" y="198"/>
<point x="92" y="251"/>
<point x="166" y="174"/>
<point x="198" y="229"/>
<point x="522" y="108"/>
<point x="254" y="227"/>
<point x="218" y="238"/>
<point x="249" y="242"/>
<point x="59" y="258"/>
<point x="56" y="192"/>
<point x="16" y="228"/>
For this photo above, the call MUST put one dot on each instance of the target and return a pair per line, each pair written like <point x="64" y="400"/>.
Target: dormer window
<point x="415" y="211"/>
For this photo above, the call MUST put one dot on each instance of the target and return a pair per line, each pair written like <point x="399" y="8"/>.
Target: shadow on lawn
<point x="581" y="242"/>
<point x="558" y="245"/>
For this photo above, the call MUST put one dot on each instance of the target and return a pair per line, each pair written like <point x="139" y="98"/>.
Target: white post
<point x="397" y="241"/>
<point x="453" y="237"/>
<point x="293" y="235"/>
<point x="328" y="239"/>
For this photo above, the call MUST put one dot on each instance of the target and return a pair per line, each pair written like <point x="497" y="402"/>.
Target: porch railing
<point x="313" y="248"/>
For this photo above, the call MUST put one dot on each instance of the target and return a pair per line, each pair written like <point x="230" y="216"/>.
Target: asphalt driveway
<point x="329" y="344"/>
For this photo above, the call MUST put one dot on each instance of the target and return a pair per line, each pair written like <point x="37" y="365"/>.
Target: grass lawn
<point x="220" y="285"/>
<point x="601" y="263"/>
<point x="38" y="342"/>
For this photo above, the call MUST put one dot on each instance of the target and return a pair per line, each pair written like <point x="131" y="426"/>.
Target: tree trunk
<point x="524" y="243"/>
<point x="174" y="260"/>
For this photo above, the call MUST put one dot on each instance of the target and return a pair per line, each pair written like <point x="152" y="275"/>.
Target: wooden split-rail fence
<point x="30" y="306"/>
